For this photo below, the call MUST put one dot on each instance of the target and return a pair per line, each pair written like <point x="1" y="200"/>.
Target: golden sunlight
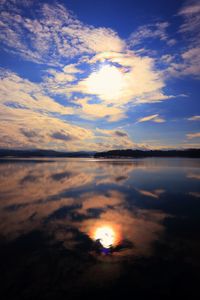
<point x="105" y="235"/>
<point x="106" y="82"/>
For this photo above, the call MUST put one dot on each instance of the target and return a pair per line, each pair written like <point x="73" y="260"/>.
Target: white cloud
<point x="193" y="135"/>
<point x="188" y="62"/>
<point x="22" y="93"/>
<point x="151" y="31"/>
<point x="153" y="118"/>
<point x="192" y="8"/>
<point x="116" y="132"/>
<point x="98" y="110"/>
<point x="194" y="118"/>
<point x="140" y="81"/>
<point x="30" y="119"/>
<point x="191" y="14"/>
<point x="72" y="69"/>
<point x="54" y="36"/>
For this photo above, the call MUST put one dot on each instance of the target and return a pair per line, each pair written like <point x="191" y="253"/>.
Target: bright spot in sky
<point x="105" y="235"/>
<point x="106" y="82"/>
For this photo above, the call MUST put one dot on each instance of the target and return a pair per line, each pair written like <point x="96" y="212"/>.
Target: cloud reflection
<point x="81" y="202"/>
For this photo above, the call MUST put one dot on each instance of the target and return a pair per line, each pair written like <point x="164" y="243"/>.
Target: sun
<point x="105" y="235"/>
<point x="107" y="82"/>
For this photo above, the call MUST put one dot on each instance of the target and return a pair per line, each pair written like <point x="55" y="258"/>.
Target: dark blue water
<point x="99" y="229"/>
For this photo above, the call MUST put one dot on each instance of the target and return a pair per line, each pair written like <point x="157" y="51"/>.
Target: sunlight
<point x="106" y="82"/>
<point x="105" y="235"/>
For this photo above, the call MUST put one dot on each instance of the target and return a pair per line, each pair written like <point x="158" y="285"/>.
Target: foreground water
<point x="75" y="228"/>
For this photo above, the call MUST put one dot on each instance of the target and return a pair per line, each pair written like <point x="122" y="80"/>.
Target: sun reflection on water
<point x="106" y="234"/>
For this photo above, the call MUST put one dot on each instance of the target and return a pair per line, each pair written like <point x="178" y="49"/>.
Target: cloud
<point x="17" y="91"/>
<point x="30" y="119"/>
<point x="72" y="69"/>
<point x="55" y="35"/>
<point x="62" y="136"/>
<point x="117" y="133"/>
<point x="149" y="32"/>
<point x="188" y="62"/>
<point x="90" y="70"/>
<point x="194" y="118"/>
<point x="27" y="129"/>
<point x="153" y="118"/>
<point x="191" y="14"/>
<point x="120" y="133"/>
<point x="192" y="8"/>
<point x="135" y="78"/>
<point x="193" y="135"/>
<point x="29" y="133"/>
<point x="114" y="139"/>
<point x="98" y="110"/>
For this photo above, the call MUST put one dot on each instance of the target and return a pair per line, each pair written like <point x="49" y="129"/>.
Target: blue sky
<point x="98" y="75"/>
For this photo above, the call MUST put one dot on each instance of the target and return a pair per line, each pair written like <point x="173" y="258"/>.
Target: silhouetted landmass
<point x="42" y="153"/>
<point x="148" y="153"/>
<point x="129" y="153"/>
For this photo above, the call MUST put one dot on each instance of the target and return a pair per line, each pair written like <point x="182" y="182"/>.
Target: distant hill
<point x="129" y="153"/>
<point x="42" y="153"/>
<point x="148" y="153"/>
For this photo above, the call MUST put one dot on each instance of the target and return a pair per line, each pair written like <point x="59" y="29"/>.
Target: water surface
<point x="74" y="228"/>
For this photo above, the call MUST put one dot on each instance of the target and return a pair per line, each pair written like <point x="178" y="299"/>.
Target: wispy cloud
<point x="191" y="14"/>
<point x="79" y="62"/>
<point x="188" y="62"/>
<point x="194" y="118"/>
<point x="55" y="35"/>
<point x="22" y="93"/>
<point x="193" y="135"/>
<point x="153" y="118"/>
<point x="151" y="31"/>
<point x="30" y="119"/>
<point x="140" y="80"/>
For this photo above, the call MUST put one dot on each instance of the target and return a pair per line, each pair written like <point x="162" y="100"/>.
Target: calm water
<point x="101" y="229"/>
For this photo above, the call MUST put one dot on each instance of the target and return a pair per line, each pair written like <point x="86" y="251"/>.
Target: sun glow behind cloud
<point x="107" y="82"/>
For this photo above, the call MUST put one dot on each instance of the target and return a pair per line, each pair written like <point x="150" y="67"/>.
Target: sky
<point x="97" y="75"/>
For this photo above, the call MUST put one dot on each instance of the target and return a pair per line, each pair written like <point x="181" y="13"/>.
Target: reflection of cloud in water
<point x="139" y="227"/>
<point x="28" y="183"/>
<point x="100" y="201"/>
<point x="37" y="196"/>
<point x="194" y="194"/>
<point x="154" y="194"/>
<point x="76" y="197"/>
<point x="195" y="175"/>
<point x="65" y="203"/>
